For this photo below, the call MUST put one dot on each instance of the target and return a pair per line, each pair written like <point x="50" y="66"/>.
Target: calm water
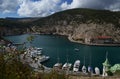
<point x="53" y="45"/>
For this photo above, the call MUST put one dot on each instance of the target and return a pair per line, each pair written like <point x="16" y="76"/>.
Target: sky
<point x="42" y="8"/>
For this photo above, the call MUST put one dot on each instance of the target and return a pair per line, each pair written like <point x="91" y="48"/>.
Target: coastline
<point x="70" y="39"/>
<point x="93" y="44"/>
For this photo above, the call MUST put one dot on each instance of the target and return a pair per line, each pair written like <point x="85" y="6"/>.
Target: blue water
<point x="55" y="46"/>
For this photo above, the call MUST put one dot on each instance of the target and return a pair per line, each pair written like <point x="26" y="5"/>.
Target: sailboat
<point x="90" y="69"/>
<point x="84" y="69"/>
<point x="76" y="66"/>
<point x="58" y="65"/>
<point x="67" y="65"/>
<point x="97" y="71"/>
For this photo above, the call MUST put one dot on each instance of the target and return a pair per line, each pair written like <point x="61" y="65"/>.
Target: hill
<point x="77" y="23"/>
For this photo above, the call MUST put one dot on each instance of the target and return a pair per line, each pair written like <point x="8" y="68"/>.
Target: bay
<point x="54" y="46"/>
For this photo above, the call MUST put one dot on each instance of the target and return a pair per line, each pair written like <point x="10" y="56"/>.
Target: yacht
<point x="97" y="71"/>
<point x="76" y="49"/>
<point x="36" y="53"/>
<point x="43" y="58"/>
<point x="39" y="51"/>
<point x="84" y="69"/>
<point x="58" y="65"/>
<point x="76" y="66"/>
<point x="90" y="69"/>
<point x="67" y="65"/>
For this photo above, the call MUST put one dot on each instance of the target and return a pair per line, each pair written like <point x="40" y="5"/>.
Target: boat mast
<point x="90" y="59"/>
<point x="67" y="56"/>
<point x="106" y="54"/>
<point x="84" y="61"/>
<point x="58" y="59"/>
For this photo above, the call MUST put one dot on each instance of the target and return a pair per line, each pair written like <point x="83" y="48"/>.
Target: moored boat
<point x="67" y="65"/>
<point x="43" y="58"/>
<point x="84" y="69"/>
<point x="97" y="71"/>
<point x="58" y="65"/>
<point x="76" y="66"/>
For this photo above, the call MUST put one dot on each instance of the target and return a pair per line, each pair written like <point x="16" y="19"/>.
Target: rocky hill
<point x="76" y="23"/>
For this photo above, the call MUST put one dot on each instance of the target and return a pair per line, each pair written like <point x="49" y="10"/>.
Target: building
<point x="102" y="40"/>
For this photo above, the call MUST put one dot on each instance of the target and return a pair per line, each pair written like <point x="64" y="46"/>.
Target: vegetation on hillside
<point x="81" y="16"/>
<point x="78" y="15"/>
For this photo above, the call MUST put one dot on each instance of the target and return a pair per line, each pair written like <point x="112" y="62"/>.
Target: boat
<point x="39" y="51"/>
<point x="43" y="58"/>
<point x="97" y="71"/>
<point x="76" y="66"/>
<point x="90" y="69"/>
<point x="67" y="65"/>
<point x="84" y="69"/>
<point x="76" y="49"/>
<point x="34" y="51"/>
<point x="58" y="65"/>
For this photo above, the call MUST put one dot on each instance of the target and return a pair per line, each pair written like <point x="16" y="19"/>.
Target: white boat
<point x="39" y="51"/>
<point x="43" y="58"/>
<point x="76" y="49"/>
<point x="58" y="66"/>
<point x="84" y="69"/>
<point x="34" y="51"/>
<point x="67" y="66"/>
<point x="97" y="71"/>
<point x="76" y="66"/>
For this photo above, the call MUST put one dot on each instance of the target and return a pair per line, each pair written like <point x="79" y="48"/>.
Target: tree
<point x="11" y="68"/>
<point x="30" y="39"/>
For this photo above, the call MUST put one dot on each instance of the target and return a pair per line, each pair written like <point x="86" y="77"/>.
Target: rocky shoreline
<point x="92" y="44"/>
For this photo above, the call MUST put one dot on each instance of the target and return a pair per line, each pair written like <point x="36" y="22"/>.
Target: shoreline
<point x="93" y="44"/>
<point x="70" y="39"/>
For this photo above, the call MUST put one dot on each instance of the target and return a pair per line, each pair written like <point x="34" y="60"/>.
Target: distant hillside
<point x="24" y="19"/>
<point x="77" y="23"/>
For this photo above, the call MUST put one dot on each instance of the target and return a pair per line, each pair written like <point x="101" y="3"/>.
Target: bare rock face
<point x="82" y="31"/>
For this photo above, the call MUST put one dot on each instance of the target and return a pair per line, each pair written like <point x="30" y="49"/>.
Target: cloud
<point x="94" y="4"/>
<point x="7" y="6"/>
<point x="46" y="7"/>
<point x="38" y="8"/>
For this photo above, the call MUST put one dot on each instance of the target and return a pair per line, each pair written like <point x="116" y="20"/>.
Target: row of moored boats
<point x="76" y="67"/>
